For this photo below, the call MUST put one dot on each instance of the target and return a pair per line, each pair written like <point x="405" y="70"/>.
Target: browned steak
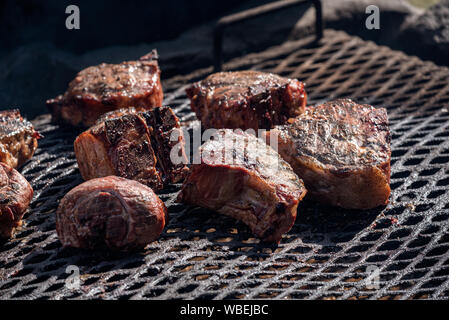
<point x="110" y="212"/>
<point x="341" y="150"/>
<point x="107" y="87"/>
<point x="240" y="176"/>
<point x="15" y="196"/>
<point x="116" y="114"/>
<point x="134" y="145"/>
<point x="246" y="99"/>
<point x="18" y="139"/>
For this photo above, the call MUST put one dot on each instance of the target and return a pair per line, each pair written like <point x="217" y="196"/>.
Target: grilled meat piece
<point x="117" y="114"/>
<point x="246" y="99"/>
<point x="110" y="212"/>
<point x="341" y="150"/>
<point x="18" y="139"/>
<point x="240" y="176"/>
<point x="107" y="87"/>
<point x="134" y="145"/>
<point x="15" y="196"/>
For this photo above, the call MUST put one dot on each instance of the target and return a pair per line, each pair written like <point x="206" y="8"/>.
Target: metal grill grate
<point x="329" y="252"/>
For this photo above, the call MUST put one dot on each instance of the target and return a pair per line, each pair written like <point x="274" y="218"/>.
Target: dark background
<point x="103" y="23"/>
<point x="39" y="56"/>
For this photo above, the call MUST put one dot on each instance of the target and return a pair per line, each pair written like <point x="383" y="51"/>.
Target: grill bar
<point x="328" y="254"/>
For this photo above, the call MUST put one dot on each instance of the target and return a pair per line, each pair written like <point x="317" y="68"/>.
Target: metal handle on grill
<point x="255" y="12"/>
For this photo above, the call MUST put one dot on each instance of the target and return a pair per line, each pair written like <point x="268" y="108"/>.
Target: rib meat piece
<point x="107" y="87"/>
<point x="15" y="196"/>
<point x="110" y="212"/>
<point x="240" y="176"/>
<point x="18" y="139"/>
<point x="341" y="150"/>
<point x="246" y="99"/>
<point x="134" y="145"/>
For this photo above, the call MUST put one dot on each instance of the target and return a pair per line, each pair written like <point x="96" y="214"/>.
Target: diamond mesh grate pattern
<point x="328" y="254"/>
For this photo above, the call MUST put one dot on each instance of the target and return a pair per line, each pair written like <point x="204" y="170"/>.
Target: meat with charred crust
<point x="15" y="196"/>
<point x="246" y="99"/>
<point x="107" y="87"/>
<point x="134" y="145"/>
<point x="111" y="212"/>
<point x="240" y="176"/>
<point x="341" y="150"/>
<point x="18" y="139"/>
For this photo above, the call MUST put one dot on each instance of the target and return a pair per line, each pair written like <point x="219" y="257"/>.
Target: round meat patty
<point x="15" y="196"/>
<point x="110" y="212"/>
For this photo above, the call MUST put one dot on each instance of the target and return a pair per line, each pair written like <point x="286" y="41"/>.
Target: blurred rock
<point x="427" y="35"/>
<point x="350" y="16"/>
<point x="31" y="74"/>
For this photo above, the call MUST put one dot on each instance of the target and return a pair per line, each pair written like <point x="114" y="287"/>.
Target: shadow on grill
<point x="315" y="224"/>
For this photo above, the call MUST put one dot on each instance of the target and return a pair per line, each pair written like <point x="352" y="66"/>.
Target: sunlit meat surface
<point x="240" y="176"/>
<point x="246" y="99"/>
<point x="111" y="212"/>
<point x="341" y="150"/>
<point x="18" y="139"/>
<point x="134" y="145"/>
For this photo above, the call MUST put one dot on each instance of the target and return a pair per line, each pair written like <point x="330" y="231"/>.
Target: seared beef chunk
<point x="246" y="99"/>
<point x="342" y="152"/>
<point x="110" y="212"/>
<point x="134" y="145"/>
<point x="15" y="196"/>
<point x="18" y="139"/>
<point x="167" y="140"/>
<point x="240" y="176"/>
<point x="106" y="87"/>
<point x="116" y="114"/>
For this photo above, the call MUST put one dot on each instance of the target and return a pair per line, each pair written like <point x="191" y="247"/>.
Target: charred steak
<point x="341" y="150"/>
<point x="246" y="99"/>
<point x="106" y="87"/>
<point x="18" y="139"/>
<point x="15" y="196"/>
<point x="240" y="176"/>
<point x="134" y="145"/>
<point x="110" y="212"/>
